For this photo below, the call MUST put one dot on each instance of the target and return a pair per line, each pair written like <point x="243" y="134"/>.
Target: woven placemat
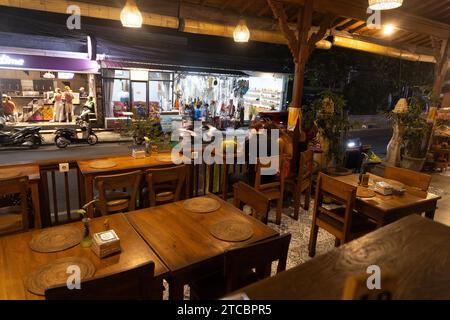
<point x="102" y="164"/>
<point x="201" y="205"/>
<point x="231" y="231"/>
<point x="55" y="273"/>
<point x="365" y="193"/>
<point x="8" y="175"/>
<point x="56" y="239"/>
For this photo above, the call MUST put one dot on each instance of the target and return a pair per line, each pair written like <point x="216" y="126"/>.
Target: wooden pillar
<point x="442" y="55"/>
<point x="301" y="45"/>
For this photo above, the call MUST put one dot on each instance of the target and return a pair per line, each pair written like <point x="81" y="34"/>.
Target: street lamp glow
<point x="385" y="4"/>
<point x="241" y="32"/>
<point x="130" y="16"/>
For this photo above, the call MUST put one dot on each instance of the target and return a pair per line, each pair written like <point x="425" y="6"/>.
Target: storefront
<point x="28" y="83"/>
<point x="221" y="98"/>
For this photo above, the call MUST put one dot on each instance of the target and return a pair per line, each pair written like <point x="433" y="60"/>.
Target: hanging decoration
<point x="130" y="16"/>
<point x="241" y="32"/>
<point x="385" y="4"/>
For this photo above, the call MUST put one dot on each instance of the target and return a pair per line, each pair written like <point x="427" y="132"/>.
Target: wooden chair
<point x="14" y="218"/>
<point x="110" y="200"/>
<point x="302" y="183"/>
<point x="273" y="190"/>
<point x="258" y="201"/>
<point x="133" y="284"/>
<point x="410" y="178"/>
<point x="165" y="185"/>
<point x="238" y="268"/>
<point x="342" y="222"/>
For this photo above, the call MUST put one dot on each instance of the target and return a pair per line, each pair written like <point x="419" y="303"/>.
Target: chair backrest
<point x="339" y="191"/>
<point x="305" y="170"/>
<point x="245" y="194"/>
<point x="265" y="164"/>
<point x="239" y="261"/>
<point x="133" y="284"/>
<point x="408" y="177"/>
<point x="165" y="184"/>
<point x="17" y="186"/>
<point x="130" y="180"/>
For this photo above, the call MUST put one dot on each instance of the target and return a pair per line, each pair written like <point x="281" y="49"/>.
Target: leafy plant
<point x="143" y="128"/>
<point x="333" y="124"/>
<point x="415" y="128"/>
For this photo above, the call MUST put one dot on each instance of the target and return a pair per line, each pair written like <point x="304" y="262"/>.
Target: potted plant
<point x="413" y="134"/>
<point x="333" y="126"/>
<point x="146" y="131"/>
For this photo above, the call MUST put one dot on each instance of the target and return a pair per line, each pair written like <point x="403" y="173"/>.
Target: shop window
<point x="120" y="97"/>
<point x="163" y="76"/>
<point x="160" y="95"/>
<point x="139" y="75"/>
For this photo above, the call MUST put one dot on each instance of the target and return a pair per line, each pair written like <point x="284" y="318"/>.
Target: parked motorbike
<point x="66" y="136"/>
<point x="27" y="137"/>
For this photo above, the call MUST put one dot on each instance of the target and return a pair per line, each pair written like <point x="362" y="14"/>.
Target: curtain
<point x="108" y="87"/>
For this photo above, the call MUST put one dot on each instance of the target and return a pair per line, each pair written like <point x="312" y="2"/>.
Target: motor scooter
<point x="66" y="136"/>
<point x="29" y="137"/>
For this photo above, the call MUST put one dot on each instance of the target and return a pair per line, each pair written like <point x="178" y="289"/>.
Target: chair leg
<point x="337" y="242"/>
<point x="279" y="210"/>
<point x="307" y="198"/>
<point x="313" y="239"/>
<point x="296" y="205"/>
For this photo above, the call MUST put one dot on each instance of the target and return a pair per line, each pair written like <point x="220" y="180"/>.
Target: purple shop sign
<point x="16" y="61"/>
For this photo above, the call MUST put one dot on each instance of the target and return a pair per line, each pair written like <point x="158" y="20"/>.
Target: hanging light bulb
<point x="241" y="32"/>
<point x="130" y="16"/>
<point x="385" y="4"/>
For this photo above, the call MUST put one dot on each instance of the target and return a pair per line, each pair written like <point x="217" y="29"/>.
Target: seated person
<point x="89" y="107"/>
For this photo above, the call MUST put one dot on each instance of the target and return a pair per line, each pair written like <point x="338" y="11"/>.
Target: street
<point x="378" y="138"/>
<point x="51" y="152"/>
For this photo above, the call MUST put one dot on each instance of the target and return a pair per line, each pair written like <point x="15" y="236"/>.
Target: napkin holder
<point x="138" y="154"/>
<point x="105" y="243"/>
<point x="383" y="188"/>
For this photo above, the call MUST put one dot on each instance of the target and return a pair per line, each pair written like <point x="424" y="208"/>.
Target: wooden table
<point x="183" y="242"/>
<point x="124" y="164"/>
<point x="33" y="173"/>
<point x="385" y="209"/>
<point x="415" y="250"/>
<point x="17" y="260"/>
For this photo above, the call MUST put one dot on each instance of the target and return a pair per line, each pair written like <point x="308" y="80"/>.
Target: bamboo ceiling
<point x="417" y="21"/>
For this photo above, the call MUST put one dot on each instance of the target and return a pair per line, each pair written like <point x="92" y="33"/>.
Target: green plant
<point x="333" y="124"/>
<point x="143" y="128"/>
<point x="415" y="128"/>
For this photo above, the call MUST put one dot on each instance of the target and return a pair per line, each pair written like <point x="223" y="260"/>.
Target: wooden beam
<point x="398" y="17"/>
<point x="442" y="54"/>
<point x="280" y="15"/>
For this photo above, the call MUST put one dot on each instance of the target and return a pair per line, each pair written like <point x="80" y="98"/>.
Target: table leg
<point x="36" y="205"/>
<point x="89" y="195"/>
<point x="225" y="182"/>
<point x="176" y="289"/>
<point x="430" y="214"/>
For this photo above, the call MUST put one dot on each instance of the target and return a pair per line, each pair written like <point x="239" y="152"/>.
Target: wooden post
<point x="301" y="45"/>
<point x="442" y="55"/>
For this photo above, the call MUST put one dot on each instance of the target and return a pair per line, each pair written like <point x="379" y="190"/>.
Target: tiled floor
<point x="440" y="184"/>
<point x="300" y="229"/>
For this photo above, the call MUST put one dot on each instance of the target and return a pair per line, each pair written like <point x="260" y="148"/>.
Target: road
<point x="378" y="138"/>
<point x="51" y="152"/>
